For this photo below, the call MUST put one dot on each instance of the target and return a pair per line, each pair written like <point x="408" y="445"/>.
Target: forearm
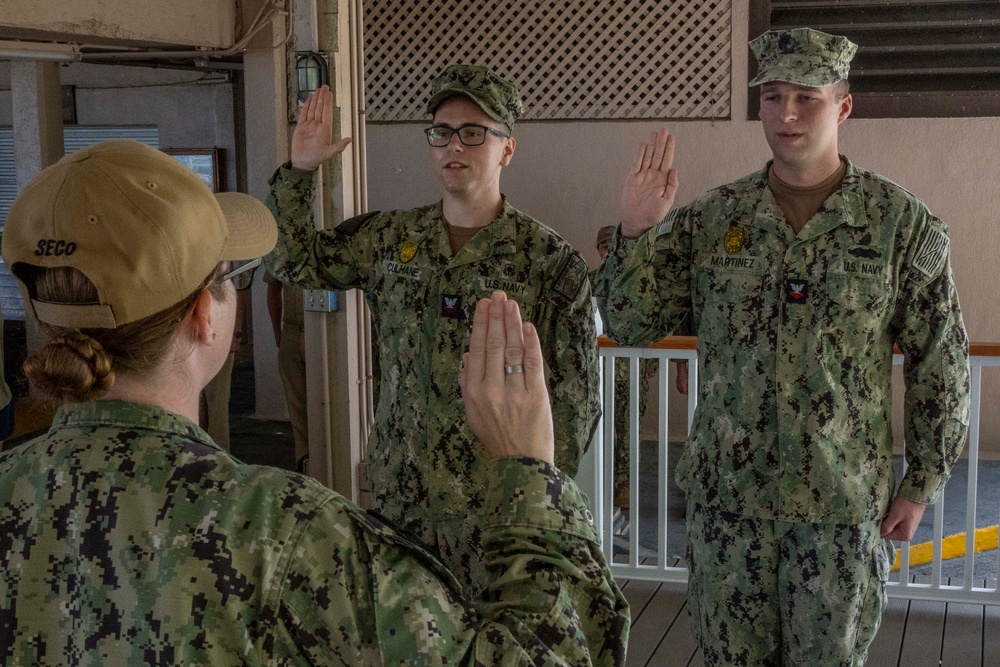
<point x="570" y="346"/>
<point x="550" y="587"/>
<point x="304" y="256"/>
<point x="936" y="415"/>
<point x="275" y="308"/>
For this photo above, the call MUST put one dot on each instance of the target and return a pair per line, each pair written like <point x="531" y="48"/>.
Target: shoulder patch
<point x="932" y="251"/>
<point x="667" y="225"/>
<point x="572" y="277"/>
<point x="351" y="225"/>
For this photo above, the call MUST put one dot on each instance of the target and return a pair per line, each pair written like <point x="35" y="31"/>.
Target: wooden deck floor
<point x="913" y="634"/>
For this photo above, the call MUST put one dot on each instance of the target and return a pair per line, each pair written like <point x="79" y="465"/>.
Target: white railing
<point x="598" y="466"/>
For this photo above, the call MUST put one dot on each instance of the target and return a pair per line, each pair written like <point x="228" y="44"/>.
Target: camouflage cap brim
<point x="483" y="104"/>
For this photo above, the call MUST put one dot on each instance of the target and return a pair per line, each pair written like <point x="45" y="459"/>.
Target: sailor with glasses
<point x="423" y="270"/>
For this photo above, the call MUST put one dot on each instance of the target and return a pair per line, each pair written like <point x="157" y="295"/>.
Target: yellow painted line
<point x="952" y="546"/>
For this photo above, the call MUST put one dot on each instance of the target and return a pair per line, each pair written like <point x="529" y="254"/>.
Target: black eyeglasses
<point x="439" y="136"/>
<point x="241" y="273"/>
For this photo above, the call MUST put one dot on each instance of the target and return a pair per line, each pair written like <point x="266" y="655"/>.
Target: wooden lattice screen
<point x="588" y="59"/>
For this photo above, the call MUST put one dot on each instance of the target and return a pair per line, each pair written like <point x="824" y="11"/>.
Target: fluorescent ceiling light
<point x="10" y="50"/>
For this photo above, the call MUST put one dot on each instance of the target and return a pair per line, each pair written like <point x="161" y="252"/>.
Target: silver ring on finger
<point x="510" y="369"/>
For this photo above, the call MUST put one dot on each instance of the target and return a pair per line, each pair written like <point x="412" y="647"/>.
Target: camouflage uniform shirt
<point x="427" y="471"/>
<point x="795" y="341"/>
<point x="128" y="537"/>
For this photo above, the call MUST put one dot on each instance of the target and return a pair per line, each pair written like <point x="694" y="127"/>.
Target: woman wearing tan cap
<point x="128" y="537"/>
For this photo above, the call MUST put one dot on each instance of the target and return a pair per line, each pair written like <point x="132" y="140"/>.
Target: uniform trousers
<point x="780" y="593"/>
<point x="214" y="404"/>
<point x="292" y="370"/>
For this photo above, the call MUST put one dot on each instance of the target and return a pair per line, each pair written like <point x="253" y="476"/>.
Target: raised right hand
<point x="651" y="186"/>
<point x="508" y="412"/>
<point x="311" y="142"/>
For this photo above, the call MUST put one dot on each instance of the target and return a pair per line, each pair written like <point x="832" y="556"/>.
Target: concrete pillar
<point x="334" y="380"/>
<point x="336" y="25"/>
<point x="37" y="115"/>
<point x="36" y="107"/>
<point x="265" y="147"/>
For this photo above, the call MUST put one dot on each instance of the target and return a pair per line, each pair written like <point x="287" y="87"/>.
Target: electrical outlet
<point x="321" y="301"/>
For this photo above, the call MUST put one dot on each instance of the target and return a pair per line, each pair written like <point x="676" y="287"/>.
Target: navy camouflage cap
<point x="802" y="56"/>
<point x="497" y="96"/>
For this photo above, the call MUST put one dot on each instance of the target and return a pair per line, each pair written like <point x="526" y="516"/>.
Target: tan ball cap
<point x="139" y="224"/>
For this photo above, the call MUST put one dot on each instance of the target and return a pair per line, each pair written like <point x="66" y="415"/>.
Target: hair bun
<point x="72" y="367"/>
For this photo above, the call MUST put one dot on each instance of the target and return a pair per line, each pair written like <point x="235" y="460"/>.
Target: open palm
<point x="651" y="185"/>
<point x="312" y="140"/>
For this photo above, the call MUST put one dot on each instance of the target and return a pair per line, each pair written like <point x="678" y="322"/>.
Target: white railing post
<point x="663" y="474"/>
<point x="968" y="592"/>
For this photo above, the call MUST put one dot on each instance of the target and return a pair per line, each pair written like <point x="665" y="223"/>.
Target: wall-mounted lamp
<point x="311" y="71"/>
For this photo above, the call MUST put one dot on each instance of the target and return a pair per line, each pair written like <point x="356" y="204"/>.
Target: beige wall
<point x="569" y="174"/>
<point x="179" y="22"/>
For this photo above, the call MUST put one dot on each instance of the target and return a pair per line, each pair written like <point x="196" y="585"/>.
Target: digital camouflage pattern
<point x="647" y="368"/>
<point x="427" y="471"/>
<point x="795" y="343"/>
<point x="792" y="436"/>
<point x="495" y="95"/>
<point x="128" y="537"/>
<point x="746" y="610"/>
<point x="802" y="56"/>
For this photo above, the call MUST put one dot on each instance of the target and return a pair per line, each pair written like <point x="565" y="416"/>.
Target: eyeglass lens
<point x="470" y="135"/>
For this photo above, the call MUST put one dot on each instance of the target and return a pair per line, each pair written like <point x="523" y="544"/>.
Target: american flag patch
<point x="667" y="225"/>
<point x="932" y="252"/>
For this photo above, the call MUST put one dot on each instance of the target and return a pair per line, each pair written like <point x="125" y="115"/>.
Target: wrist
<point x="632" y="230"/>
<point x="303" y="166"/>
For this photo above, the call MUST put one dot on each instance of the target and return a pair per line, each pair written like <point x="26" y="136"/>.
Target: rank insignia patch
<point x="734" y="239"/>
<point x="797" y="290"/>
<point x="407" y="251"/>
<point x="574" y="274"/>
<point x="451" y="305"/>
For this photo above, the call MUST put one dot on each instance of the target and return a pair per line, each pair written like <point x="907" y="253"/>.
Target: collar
<point x="845" y="206"/>
<point x="125" y="414"/>
<point x="497" y="238"/>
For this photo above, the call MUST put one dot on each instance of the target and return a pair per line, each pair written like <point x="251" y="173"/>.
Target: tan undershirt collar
<point x="459" y="236"/>
<point x="800" y="204"/>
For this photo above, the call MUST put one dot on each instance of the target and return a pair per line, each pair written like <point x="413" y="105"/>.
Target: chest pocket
<point x="856" y="292"/>
<point x="524" y="293"/>
<point x="732" y="303"/>
<point x="730" y="285"/>
<point x="404" y="287"/>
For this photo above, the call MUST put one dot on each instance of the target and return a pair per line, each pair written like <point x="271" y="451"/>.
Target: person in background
<point x="286" y="309"/>
<point x="213" y="412"/>
<point x="422" y="271"/>
<point x="128" y="537"/>
<point x="799" y="279"/>
<point x="6" y="398"/>
<point x="647" y="369"/>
